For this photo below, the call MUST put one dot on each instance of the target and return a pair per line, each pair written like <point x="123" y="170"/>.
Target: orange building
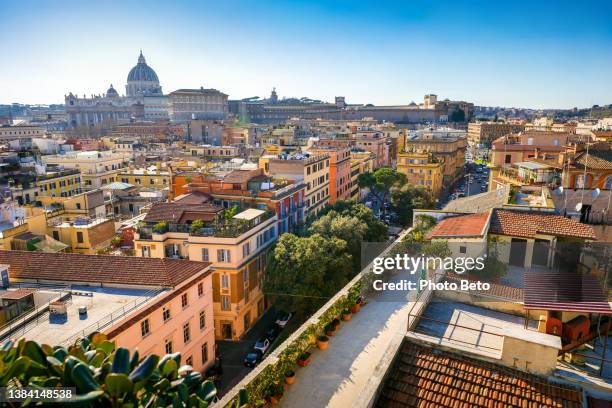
<point x="339" y="171"/>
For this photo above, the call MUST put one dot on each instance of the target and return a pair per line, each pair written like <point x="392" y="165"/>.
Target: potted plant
<point x="330" y="330"/>
<point x="355" y="308"/>
<point x="275" y="393"/>
<point x="322" y="342"/>
<point x="303" y="359"/>
<point x="336" y="323"/>
<point x="161" y="227"/>
<point x="196" y="226"/>
<point x="346" y="315"/>
<point x="289" y="377"/>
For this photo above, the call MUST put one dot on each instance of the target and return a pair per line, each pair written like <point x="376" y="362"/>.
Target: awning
<point x="563" y="291"/>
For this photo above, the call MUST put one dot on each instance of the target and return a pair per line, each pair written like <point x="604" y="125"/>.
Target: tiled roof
<point x="16" y="294"/>
<point x="472" y="225"/>
<point x="174" y="212"/>
<point x="426" y="377"/>
<point x="527" y="224"/>
<point x="599" y="158"/>
<point x="123" y="270"/>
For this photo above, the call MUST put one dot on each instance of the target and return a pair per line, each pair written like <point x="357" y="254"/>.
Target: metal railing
<point x="113" y="317"/>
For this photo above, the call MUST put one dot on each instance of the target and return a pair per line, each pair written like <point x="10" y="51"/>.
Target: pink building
<point x="157" y="306"/>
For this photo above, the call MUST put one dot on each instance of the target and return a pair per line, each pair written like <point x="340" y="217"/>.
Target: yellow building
<point x="97" y="167"/>
<point x="63" y="183"/>
<point x="151" y="177"/>
<point x="361" y="162"/>
<point x="422" y="169"/>
<point x="237" y="249"/>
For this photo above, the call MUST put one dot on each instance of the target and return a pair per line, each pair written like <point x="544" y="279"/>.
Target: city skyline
<point x="518" y="56"/>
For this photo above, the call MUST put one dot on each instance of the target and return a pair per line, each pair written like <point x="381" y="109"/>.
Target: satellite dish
<point x="578" y="206"/>
<point x="559" y="191"/>
<point x="595" y="193"/>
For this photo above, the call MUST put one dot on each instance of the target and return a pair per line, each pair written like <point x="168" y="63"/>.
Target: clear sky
<point x="552" y="54"/>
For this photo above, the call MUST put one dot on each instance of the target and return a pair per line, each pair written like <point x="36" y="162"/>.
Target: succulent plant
<point x="104" y="376"/>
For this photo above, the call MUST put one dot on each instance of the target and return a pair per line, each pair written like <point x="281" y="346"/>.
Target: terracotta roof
<point x="426" y="377"/>
<point x="600" y="158"/>
<point x="473" y="225"/>
<point x="527" y="224"/>
<point x="174" y="212"/>
<point x="126" y="270"/>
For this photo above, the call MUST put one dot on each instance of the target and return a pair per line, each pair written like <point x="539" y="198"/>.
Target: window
<point x="186" y="333"/>
<point x="168" y="346"/>
<point x="144" y="327"/>
<point x="204" y="353"/>
<point x="184" y="300"/>
<point x="225" y="303"/>
<point x="189" y="361"/>
<point x="223" y="255"/>
<point x="246" y="249"/>
<point x="56" y="235"/>
<point x="225" y="281"/>
<point x="200" y="289"/>
<point x="205" y="254"/>
<point x="78" y="206"/>
<point x="79" y="237"/>
<point x="508" y="159"/>
<point x="462" y="249"/>
<point x="202" y="320"/>
<point x="166" y="313"/>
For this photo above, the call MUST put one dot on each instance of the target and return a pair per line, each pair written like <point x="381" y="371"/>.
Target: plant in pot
<point x="322" y="342"/>
<point x="336" y="323"/>
<point x="355" y="308"/>
<point x="303" y="359"/>
<point x="346" y="315"/>
<point x="275" y="393"/>
<point x="289" y="377"/>
<point x="330" y="330"/>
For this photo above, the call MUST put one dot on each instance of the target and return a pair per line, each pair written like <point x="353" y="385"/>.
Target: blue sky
<point x="517" y="53"/>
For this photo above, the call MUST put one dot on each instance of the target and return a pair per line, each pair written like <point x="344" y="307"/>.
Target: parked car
<point x="273" y="332"/>
<point x="253" y="358"/>
<point x="262" y="345"/>
<point x="283" y="318"/>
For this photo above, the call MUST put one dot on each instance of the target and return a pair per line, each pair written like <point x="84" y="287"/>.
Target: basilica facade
<point x="104" y="110"/>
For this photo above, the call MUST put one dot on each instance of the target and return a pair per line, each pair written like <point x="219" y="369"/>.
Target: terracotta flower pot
<point x="289" y="380"/>
<point x="356" y="307"/>
<point x="322" y="342"/>
<point x="303" y="360"/>
<point x="330" y="333"/>
<point x="346" y="316"/>
<point x="275" y="399"/>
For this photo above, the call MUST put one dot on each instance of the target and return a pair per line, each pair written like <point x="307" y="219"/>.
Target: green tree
<point x="348" y="228"/>
<point x="406" y="198"/>
<point x="380" y="183"/>
<point x="377" y="230"/>
<point x="304" y="272"/>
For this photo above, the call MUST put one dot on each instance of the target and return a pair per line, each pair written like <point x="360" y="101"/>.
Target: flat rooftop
<point x="469" y="328"/>
<point x="104" y="305"/>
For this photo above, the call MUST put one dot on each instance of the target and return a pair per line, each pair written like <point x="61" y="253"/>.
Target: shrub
<point x="160" y="227"/>
<point x="102" y="374"/>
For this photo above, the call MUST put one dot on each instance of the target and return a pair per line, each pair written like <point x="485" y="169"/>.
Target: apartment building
<point x="21" y="132"/>
<point x="422" y="169"/>
<point x="313" y="170"/>
<point x="236" y="247"/>
<point x="519" y="147"/>
<point x="214" y="152"/>
<point x="484" y="133"/>
<point x="59" y="183"/>
<point x="339" y="171"/>
<point x="97" y="167"/>
<point x="188" y="104"/>
<point x="362" y="161"/>
<point x="157" y="306"/>
<point x="446" y="145"/>
<point x="151" y="177"/>
<point x="252" y="188"/>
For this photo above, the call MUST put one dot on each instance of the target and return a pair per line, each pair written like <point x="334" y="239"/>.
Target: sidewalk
<point x="335" y="377"/>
